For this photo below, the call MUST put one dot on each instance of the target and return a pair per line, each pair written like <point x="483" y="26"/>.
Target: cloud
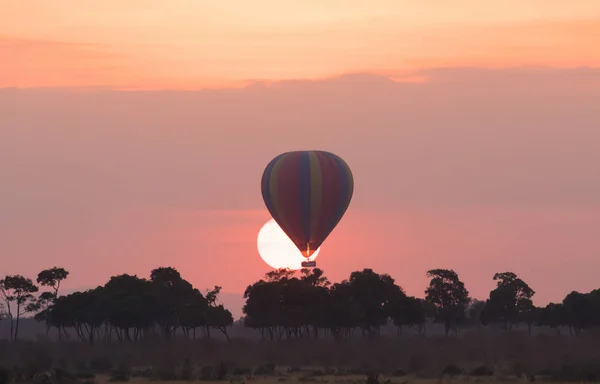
<point x="467" y="136"/>
<point x="140" y="49"/>
<point x="30" y="62"/>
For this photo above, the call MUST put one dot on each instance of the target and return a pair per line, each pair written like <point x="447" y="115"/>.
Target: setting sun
<point x="277" y="250"/>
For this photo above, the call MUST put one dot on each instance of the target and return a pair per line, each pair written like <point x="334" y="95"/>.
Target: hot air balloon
<point x="307" y="193"/>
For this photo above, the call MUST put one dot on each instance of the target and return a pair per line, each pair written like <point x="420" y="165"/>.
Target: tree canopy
<point x="283" y="305"/>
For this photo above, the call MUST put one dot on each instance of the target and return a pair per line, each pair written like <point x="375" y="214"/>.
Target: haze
<point x="471" y="129"/>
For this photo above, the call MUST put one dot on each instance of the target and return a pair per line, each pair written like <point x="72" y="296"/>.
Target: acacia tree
<point x="448" y="296"/>
<point x="407" y="311"/>
<point x="42" y="307"/>
<point x="18" y="291"/>
<point x="474" y="311"/>
<point x="578" y="311"/>
<point x="510" y="302"/>
<point x="52" y="278"/>
<point x="372" y="292"/>
<point x="216" y="315"/>
<point x="553" y="316"/>
<point x="131" y="308"/>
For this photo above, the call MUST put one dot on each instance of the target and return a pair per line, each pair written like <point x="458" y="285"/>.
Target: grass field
<point x="308" y="377"/>
<point x="478" y="357"/>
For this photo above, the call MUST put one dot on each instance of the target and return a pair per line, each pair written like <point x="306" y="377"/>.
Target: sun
<point x="277" y="250"/>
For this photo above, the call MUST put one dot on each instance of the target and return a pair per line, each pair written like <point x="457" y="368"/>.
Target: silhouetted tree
<point x="194" y="315"/>
<point x="131" y="308"/>
<point x="171" y="294"/>
<point x="474" y="311"/>
<point x="216" y="316"/>
<point x="448" y="295"/>
<point x="18" y="291"/>
<point x="52" y="278"/>
<point x="290" y="304"/>
<point x="42" y="307"/>
<point x="552" y="315"/>
<point x="578" y="311"/>
<point x="372" y="292"/>
<point x="510" y="302"/>
<point x="129" y="305"/>
<point x="407" y="311"/>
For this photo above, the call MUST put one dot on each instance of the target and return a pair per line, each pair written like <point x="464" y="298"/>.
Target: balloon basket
<point x="309" y="264"/>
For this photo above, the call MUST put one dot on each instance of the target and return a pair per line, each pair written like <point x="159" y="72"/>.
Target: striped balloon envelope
<point x="307" y="193"/>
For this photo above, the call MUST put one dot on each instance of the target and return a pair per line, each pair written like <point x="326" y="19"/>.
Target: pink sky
<point x="487" y="162"/>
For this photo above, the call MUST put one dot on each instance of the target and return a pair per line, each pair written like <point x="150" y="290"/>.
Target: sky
<point x="134" y="135"/>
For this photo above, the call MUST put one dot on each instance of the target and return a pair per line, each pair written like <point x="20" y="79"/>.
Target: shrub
<point x="187" y="370"/>
<point x="221" y="370"/>
<point x="121" y="373"/>
<point x="206" y="373"/>
<point x="101" y="364"/>
<point x="241" y="371"/>
<point x="265" y="370"/>
<point x="372" y="378"/>
<point x="451" y="370"/>
<point x="482" y="370"/>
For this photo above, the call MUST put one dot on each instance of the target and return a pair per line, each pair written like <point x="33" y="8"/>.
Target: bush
<point x="187" y="370"/>
<point x="577" y="372"/>
<point x="265" y="370"/>
<point x="60" y="374"/>
<point x="221" y="370"/>
<point x="118" y="378"/>
<point x="85" y="375"/>
<point x="372" y="378"/>
<point x="101" y="364"/>
<point x="166" y="372"/>
<point x="482" y="370"/>
<point x="241" y="371"/>
<point x="451" y="370"/>
<point x="206" y="373"/>
<point x="121" y="373"/>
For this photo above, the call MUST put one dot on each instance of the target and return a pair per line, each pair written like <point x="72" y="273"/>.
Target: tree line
<point x="284" y="304"/>
<point x="126" y="308"/>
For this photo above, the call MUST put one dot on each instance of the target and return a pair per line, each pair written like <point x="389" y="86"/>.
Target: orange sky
<point x="192" y="44"/>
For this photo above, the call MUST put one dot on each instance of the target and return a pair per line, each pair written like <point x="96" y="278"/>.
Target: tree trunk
<point x="16" y="335"/>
